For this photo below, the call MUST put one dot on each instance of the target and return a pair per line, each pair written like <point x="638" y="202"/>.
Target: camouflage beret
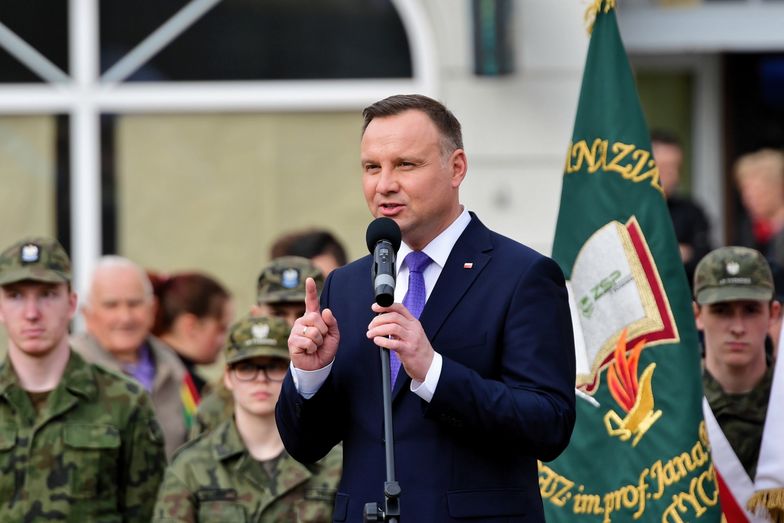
<point x="257" y="336"/>
<point x="37" y="259"/>
<point x="733" y="273"/>
<point x="283" y="280"/>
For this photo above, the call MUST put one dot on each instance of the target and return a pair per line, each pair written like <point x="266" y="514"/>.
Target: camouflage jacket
<point x="216" y="407"/>
<point x="741" y="416"/>
<point x="93" y="453"/>
<point x="166" y="388"/>
<point x="214" y="478"/>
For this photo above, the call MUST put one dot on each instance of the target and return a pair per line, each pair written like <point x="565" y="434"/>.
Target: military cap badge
<point x="290" y="278"/>
<point x="30" y="253"/>
<point x="733" y="268"/>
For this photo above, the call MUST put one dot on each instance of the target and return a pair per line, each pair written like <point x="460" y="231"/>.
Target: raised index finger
<point x="311" y="296"/>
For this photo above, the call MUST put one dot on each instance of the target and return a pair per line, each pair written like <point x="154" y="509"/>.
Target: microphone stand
<point x="391" y="510"/>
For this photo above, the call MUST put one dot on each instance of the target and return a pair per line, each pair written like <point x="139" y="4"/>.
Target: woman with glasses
<point x="240" y="471"/>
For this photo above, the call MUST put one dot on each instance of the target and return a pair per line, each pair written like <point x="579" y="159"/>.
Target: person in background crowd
<point x="119" y="313"/>
<point x="760" y="180"/>
<point x="194" y="314"/>
<point x="734" y="308"/>
<point x="318" y="245"/>
<point x="692" y="229"/>
<point x="280" y="292"/>
<point x="280" y="289"/>
<point x="240" y="471"/>
<point x="77" y="442"/>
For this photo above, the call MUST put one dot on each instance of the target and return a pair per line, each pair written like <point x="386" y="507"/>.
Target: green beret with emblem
<point x="36" y="259"/>
<point x="731" y="274"/>
<point x="283" y="280"/>
<point x="257" y="336"/>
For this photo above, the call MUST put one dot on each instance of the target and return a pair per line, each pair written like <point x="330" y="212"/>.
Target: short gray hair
<point x="113" y="261"/>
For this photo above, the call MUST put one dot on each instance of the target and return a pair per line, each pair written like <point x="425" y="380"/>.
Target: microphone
<point x="383" y="241"/>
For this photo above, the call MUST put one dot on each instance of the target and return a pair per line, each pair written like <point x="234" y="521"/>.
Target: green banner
<point x="639" y="451"/>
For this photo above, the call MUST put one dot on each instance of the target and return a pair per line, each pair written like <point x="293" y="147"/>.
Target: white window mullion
<point x="85" y="141"/>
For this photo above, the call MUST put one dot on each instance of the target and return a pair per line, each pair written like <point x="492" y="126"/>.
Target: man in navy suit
<point x="486" y="382"/>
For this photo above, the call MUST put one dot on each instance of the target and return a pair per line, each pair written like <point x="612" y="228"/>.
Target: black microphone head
<point x="383" y="229"/>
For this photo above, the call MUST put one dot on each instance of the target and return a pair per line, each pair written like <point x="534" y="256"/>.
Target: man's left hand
<point x="396" y="329"/>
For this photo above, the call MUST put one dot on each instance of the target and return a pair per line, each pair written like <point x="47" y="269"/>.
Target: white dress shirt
<point x="309" y="382"/>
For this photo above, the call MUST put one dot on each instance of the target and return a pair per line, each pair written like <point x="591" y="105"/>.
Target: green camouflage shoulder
<point x="312" y="500"/>
<point x="144" y="458"/>
<point x="93" y="424"/>
<point x="214" y="478"/>
<point x="194" y="470"/>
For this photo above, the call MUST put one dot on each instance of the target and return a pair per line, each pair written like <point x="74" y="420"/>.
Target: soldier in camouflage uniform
<point x="77" y="442"/>
<point x="240" y="471"/>
<point x="734" y="307"/>
<point x="280" y="293"/>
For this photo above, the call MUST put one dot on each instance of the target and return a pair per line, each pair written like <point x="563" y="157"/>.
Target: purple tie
<point x="414" y="300"/>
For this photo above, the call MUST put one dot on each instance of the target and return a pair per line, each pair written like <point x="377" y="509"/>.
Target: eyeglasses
<point x="249" y="371"/>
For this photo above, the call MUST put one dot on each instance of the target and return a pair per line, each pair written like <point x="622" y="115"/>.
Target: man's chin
<point x="124" y="346"/>
<point x="37" y="349"/>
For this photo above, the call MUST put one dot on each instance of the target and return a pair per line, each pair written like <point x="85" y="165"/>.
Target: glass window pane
<point x="27" y="156"/>
<point x="275" y="39"/>
<point x="212" y="192"/>
<point x="41" y="23"/>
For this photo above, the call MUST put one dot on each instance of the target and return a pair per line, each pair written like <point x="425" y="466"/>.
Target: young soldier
<point x="280" y="293"/>
<point x="77" y="442"/>
<point x="734" y="307"/>
<point x="240" y="471"/>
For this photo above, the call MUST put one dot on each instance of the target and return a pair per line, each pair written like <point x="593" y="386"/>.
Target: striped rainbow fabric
<point x="190" y="397"/>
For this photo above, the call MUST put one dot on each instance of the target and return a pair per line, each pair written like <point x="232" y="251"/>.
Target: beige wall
<point x="212" y="192"/>
<point x="27" y="171"/>
<point x="27" y="181"/>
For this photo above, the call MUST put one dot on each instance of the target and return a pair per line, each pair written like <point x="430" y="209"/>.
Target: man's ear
<point x="73" y="301"/>
<point x="227" y="379"/>
<point x="459" y="166"/>
<point x="697" y="316"/>
<point x="775" y="310"/>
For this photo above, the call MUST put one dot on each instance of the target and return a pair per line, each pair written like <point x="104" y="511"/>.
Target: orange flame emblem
<point x="634" y="395"/>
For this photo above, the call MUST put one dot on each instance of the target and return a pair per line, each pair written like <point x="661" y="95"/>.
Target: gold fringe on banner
<point x="770" y="499"/>
<point x="595" y="7"/>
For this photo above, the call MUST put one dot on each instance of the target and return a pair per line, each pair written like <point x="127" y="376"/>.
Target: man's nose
<point x="738" y="325"/>
<point x="387" y="181"/>
<point x="126" y="313"/>
<point x="32" y="310"/>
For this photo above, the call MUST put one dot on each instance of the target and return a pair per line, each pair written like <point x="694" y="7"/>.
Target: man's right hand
<point x="314" y="338"/>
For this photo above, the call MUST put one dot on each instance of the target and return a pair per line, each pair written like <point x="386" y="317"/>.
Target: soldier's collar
<point x="227" y="441"/>
<point x="78" y="377"/>
<point x="7" y="376"/>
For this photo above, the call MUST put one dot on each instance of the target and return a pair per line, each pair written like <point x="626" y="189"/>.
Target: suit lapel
<point x="468" y="258"/>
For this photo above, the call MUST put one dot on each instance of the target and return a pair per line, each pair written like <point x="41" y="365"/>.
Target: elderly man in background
<point x="119" y="313"/>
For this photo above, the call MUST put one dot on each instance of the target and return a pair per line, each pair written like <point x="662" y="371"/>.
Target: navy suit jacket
<point x="505" y="397"/>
